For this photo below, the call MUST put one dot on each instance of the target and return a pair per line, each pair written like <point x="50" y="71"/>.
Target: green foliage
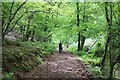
<point x="92" y="62"/>
<point x="55" y="22"/>
<point x="19" y="58"/>
<point x="73" y="49"/>
<point x="9" y="42"/>
<point x="91" y="59"/>
<point x="9" y="76"/>
<point x="24" y="58"/>
<point x="44" y="48"/>
<point x="95" y="70"/>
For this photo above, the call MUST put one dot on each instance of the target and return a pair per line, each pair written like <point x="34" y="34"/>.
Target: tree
<point x="110" y="44"/>
<point x="7" y="27"/>
<point x="82" y="35"/>
<point x="78" y="20"/>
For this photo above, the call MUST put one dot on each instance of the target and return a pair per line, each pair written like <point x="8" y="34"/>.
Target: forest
<point x="89" y="33"/>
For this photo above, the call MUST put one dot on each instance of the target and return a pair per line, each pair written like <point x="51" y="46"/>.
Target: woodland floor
<point x="59" y="65"/>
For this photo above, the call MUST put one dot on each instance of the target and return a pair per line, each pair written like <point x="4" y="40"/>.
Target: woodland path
<point x="59" y="65"/>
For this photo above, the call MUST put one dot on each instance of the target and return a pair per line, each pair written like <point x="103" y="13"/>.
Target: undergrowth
<point x="91" y="61"/>
<point x="23" y="56"/>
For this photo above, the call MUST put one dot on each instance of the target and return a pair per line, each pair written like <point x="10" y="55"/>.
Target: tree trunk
<point x="79" y="41"/>
<point x="78" y="26"/>
<point x="111" y="51"/>
<point x="28" y="32"/>
<point x="82" y="42"/>
<point x="105" y="52"/>
<point x="33" y="33"/>
<point x="112" y="64"/>
<point x="27" y="35"/>
<point x="109" y="21"/>
<point x="3" y="37"/>
<point x="109" y="40"/>
<point x="111" y="71"/>
<point x="83" y="37"/>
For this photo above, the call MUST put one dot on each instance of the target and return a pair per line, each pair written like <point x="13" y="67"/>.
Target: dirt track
<point x="60" y="65"/>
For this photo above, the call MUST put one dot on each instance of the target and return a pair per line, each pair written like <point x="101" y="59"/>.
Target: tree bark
<point x="109" y="37"/>
<point x="78" y="25"/>
<point x="82" y="42"/>
<point x="109" y="20"/>
<point x="112" y="67"/>
<point x="105" y="52"/>
<point x="111" y="52"/>
<point x="28" y="32"/>
<point x="83" y="37"/>
<point x="109" y="41"/>
<point x="111" y="71"/>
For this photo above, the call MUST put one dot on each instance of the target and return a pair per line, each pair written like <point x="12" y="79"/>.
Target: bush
<point x="94" y="70"/>
<point x="45" y="48"/>
<point x="92" y="62"/>
<point x="9" y="42"/>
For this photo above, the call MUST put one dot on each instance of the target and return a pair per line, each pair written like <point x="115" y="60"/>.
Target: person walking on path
<point x="60" y="47"/>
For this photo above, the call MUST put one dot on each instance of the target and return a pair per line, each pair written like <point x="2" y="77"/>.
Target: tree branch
<point x="12" y="17"/>
<point x="106" y="12"/>
<point x="94" y="43"/>
<point x="10" y="14"/>
<point x="15" y="23"/>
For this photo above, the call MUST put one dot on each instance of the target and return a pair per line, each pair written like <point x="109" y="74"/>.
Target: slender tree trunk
<point x="79" y="41"/>
<point x="3" y="37"/>
<point x="109" y="40"/>
<point x="105" y="52"/>
<point x="78" y="25"/>
<point x="28" y="32"/>
<point x="68" y="41"/>
<point x="112" y="66"/>
<point x="111" y="51"/>
<point x="83" y="37"/>
<point x="111" y="72"/>
<point x="33" y="33"/>
<point x="82" y="42"/>
<point x="109" y="35"/>
<point x="23" y="33"/>
<point x="111" y="59"/>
